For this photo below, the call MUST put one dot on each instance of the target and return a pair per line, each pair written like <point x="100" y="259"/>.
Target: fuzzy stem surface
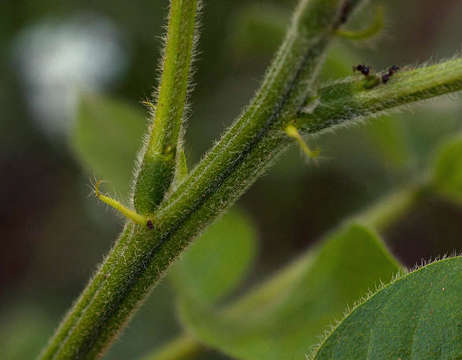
<point x="141" y="256"/>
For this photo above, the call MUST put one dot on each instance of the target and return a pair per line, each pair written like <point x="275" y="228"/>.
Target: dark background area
<point x="54" y="234"/>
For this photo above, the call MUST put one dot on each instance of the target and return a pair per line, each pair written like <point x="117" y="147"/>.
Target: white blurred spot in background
<point x="58" y="60"/>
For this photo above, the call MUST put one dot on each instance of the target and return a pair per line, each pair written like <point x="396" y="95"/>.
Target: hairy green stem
<point x="160" y="158"/>
<point x="225" y="173"/>
<point x="349" y="100"/>
<point x="80" y="336"/>
<point x="141" y="256"/>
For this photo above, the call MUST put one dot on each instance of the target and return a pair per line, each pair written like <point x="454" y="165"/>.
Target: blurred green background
<point x="54" y="234"/>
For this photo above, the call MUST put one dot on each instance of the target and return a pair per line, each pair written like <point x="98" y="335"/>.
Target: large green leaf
<point x="106" y="138"/>
<point x="216" y="262"/>
<point x="447" y="177"/>
<point x="285" y="317"/>
<point x="416" y="317"/>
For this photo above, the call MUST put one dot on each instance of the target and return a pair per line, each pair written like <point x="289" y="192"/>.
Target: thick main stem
<point x="235" y="162"/>
<point x="141" y="256"/>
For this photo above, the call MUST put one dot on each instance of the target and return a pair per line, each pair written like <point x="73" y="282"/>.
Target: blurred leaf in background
<point x="215" y="264"/>
<point x="107" y="136"/>
<point x="286" y="316"/>
<point x="448" y="169"/>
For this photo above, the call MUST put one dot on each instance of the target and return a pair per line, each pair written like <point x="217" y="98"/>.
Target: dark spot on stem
<point x="149" y="224"/>
<point x="391" y="71"/>
<point x="385" y="78"/>
<point x="394" y="68"/>
<point x="344" y="13"/>
<point x="364" y="69"/>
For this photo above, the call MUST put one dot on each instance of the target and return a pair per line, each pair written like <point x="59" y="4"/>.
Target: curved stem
<point x="371" y="31"/>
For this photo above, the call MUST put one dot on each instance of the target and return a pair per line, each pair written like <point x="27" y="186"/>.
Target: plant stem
<point x="345" y="101"/>
<point x="141" y="256"/>
<point x="77" y="335"/>
<point x="414" y="85"/>
<point x="163" y="147"/>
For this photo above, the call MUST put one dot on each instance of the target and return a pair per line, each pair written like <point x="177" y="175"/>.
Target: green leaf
<point x="106" y="139"/>
<point x="447" y="177"/>
<point x="284" y="318"/>
<point x="415" y="317"/>
<point x="216" y="262"/>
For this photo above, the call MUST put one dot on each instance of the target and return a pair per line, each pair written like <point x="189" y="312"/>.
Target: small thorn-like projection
<point x="292" y="132"/>
<point x="149" y="105"/>
<point x="128" y="213"/>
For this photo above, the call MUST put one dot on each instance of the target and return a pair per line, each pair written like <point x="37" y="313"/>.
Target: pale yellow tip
<point x="125" y="211"/>
<point x="96" y="187"/>
<point x="292" y="132"/>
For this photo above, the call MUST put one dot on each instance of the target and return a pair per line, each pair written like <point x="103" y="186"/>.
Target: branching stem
<point x="141" y="256"/>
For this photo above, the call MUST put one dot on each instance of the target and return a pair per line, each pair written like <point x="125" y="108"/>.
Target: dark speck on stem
<point x="344" y="14"/>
